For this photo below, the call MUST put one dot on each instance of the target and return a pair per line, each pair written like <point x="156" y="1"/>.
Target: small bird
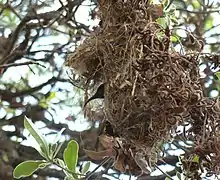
<point x="99" y="94"/>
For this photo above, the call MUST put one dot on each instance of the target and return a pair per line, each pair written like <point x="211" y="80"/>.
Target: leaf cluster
<point x="49" y="152"/>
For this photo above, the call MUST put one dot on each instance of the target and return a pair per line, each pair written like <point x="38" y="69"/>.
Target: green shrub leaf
<point x="57" y="149"/>
<point x="195" y="159"/>
<point x="27" y="168"/>
<point x="70" y="155"/>
<point x="37" y="136"/>
<point x="86" y="167"/>
<point x="178" y="175"/>
<point x="218" y="75"/>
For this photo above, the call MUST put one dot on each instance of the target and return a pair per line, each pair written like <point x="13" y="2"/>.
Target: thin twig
<point x="20" y="64"/>
<point x="101" y="164"/>
<point x="165" y="173"/>
<point x="198" y="12"/>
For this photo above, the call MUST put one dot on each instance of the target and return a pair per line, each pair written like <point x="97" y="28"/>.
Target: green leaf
<point x="27" y="168"/>
<point x="44" y="101"/>
<point x="172" y="10"/>
<point x="51" y="96"/>
<point x="60" y="162"/>
<point x="218" y="75"/>
<point x="43" y="104"/>
<point x="174" y="20"/>
<point x="57" y="150"/>
<point x="70" y="155"/>
<point x="209" y="23"/>
<point x="41" y="166"/>
<point x="38" y="148"/>
<point x="86" y="167"/>
<point x="69" y="177"/>
<point x="195" y="159"/>
<point x="174" y="39"/>
<point x="218" y="85"/>
<point x="52" y="148"/>
<point x="178" y="175"/>
<point x="44" y="147"/>
<point x="166" y="3"/>
<point x="162" y="22"/>
<point x="167" y="178"/>
<point x="7" y="13"/>
<point x="196" y="4"/>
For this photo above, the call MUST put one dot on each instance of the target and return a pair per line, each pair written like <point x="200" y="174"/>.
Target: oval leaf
<point x="86" y="167"/>
<point x="27" y="168"/>
<point x="70" y="155"/>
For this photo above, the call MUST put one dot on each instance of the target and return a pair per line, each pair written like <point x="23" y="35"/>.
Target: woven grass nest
<point x="149" y="88"/>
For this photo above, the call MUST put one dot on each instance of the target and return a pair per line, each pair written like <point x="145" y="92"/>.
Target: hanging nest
<point x="149" y="88"/>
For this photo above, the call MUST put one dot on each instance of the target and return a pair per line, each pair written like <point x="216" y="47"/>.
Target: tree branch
<point x="21" y="64"/>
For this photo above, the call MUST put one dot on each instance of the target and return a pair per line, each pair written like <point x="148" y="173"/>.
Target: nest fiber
<point x="149" y="88"/>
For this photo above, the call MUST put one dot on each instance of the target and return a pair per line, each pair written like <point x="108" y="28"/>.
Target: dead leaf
<point x="107" y="141"/>
<point x="119" y="162"/>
